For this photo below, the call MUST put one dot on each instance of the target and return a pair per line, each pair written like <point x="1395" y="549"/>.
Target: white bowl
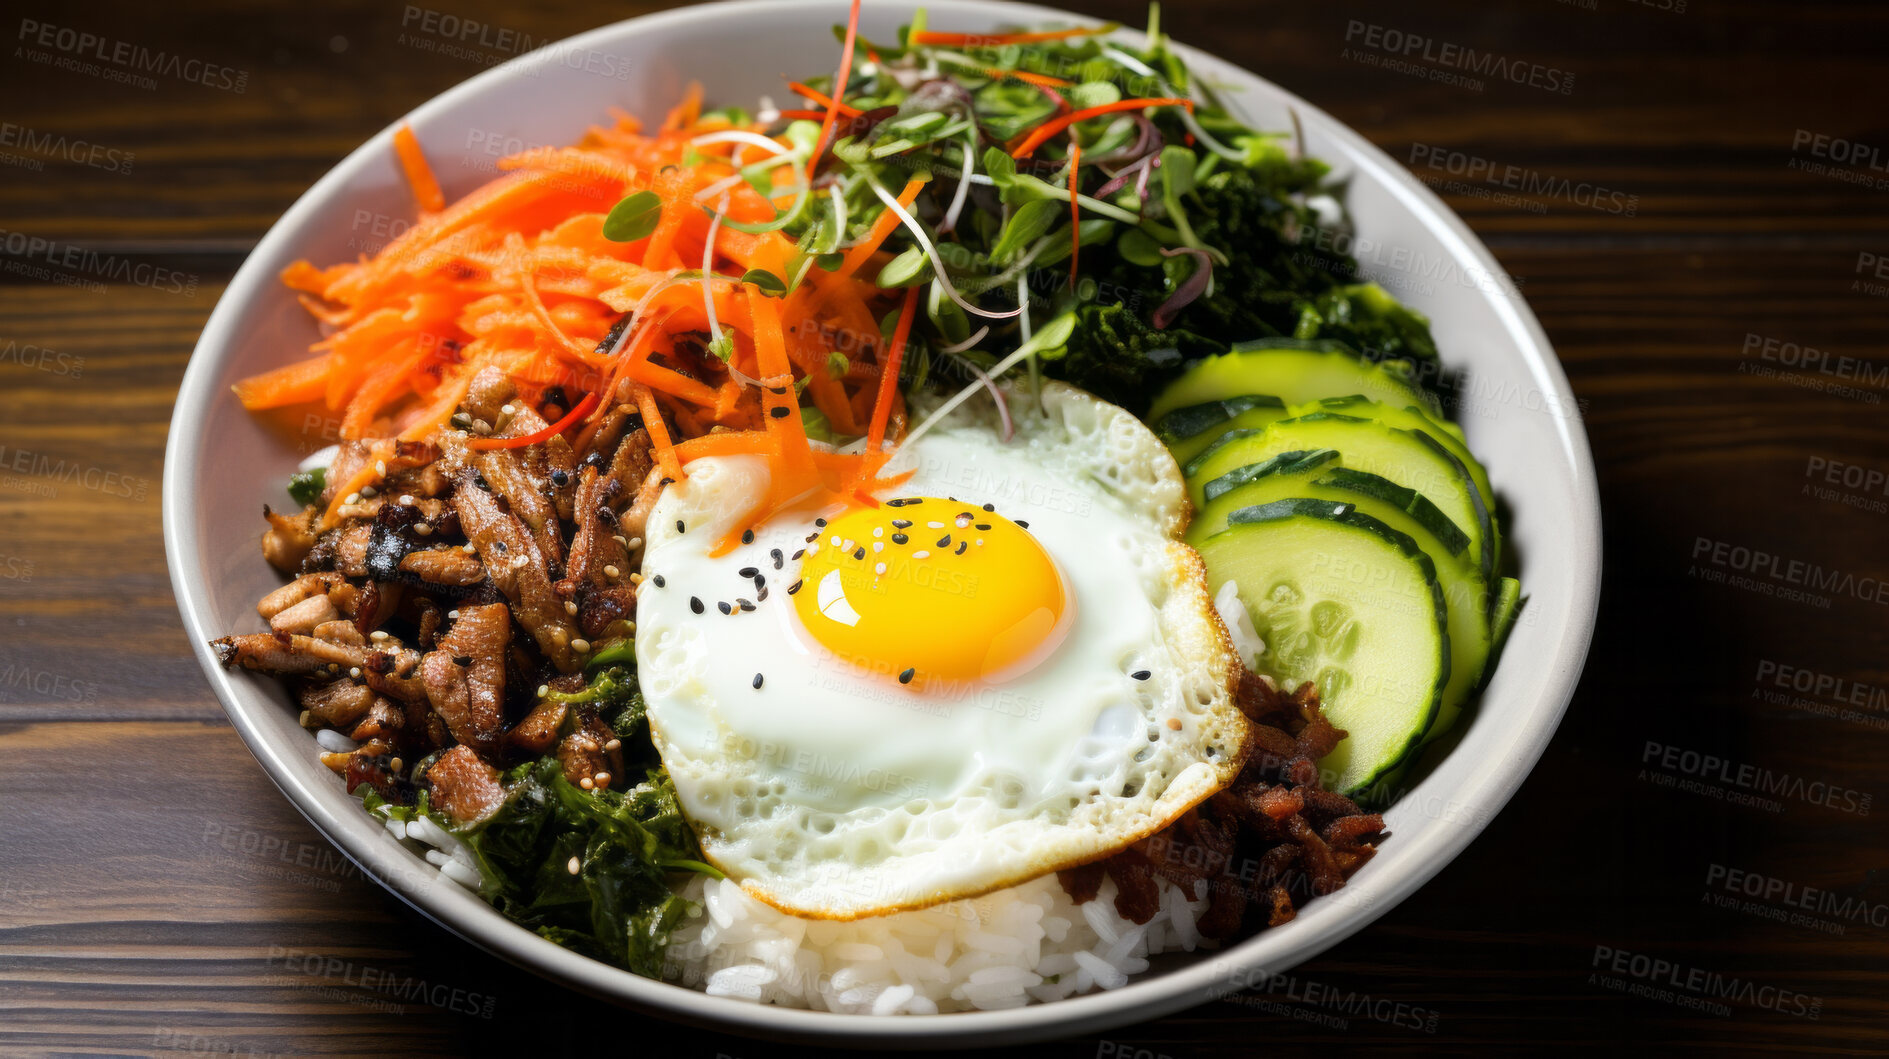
<point x="222" y="465"/>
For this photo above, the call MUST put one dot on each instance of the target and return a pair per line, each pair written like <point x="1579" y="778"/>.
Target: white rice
<point x="1029" y="943"/>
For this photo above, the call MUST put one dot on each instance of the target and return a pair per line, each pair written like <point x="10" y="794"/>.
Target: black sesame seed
<point x="695" y="604"/>
<point x="560" y="477"/>
<point x="901" y="523"/>
<point x="777" y="391"/>
<point x="793" y="588"/>
<point x="724" y="607"/>
<point x="983" y="525"/>
<point x="761" y="596"/>
<point x="900" y="538"/>
<point x="990" y="507"/>
<point x="667" y="482"/>
<point x="1141" y="674"/>
<point x="944" y="541"/>
<point x="1022" y="524"/>
<point x="747" y="571"/>
<point x="501" y="547"/>
<point x="812" y="536"/>
<point x="757" y="682"/>
<point x="776" y="553"/>
<point x="961" y="546"/>
<point x="745" y="604"/>
<point x="859" y="553"/>
<point x="659" y="581"/>
<point x="779" y="411"/>
<point x="819" y="522"/>
<point x="747" y="536"/>
<point x="462" y="660"/>
<point x="798" y="552"/>
<point x="680" y="528"/>
<point x="906" y="677"/>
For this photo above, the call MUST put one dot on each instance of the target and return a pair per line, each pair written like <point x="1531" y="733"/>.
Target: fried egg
<point x="1008" y="667"/>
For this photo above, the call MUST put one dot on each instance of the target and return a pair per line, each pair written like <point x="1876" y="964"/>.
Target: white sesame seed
<point x="921" y="555"/>
<point x="304" y="719"/>
<point x="635" y="542"/>
<point x="424" y="529"/>
<point x="570" y="606"/>
<point x="378" y="635"/>
<point x="406" y="499"/>
<point x="481" y="425"/>
<point x="603" y="779"/>
<point x="613" y="744"/>
<point x="368" y="492"/>
<point x="351" y="499"/>
<point x="612" y="571"/>
<point x="935" y="525"/>
<point x="587" y="783"/>
<point x="980" y="542"/>
<point x="397" y="765"/>
<point x="453" y="614"/>
<point x="574" y="867"/>
<point x="631" y="624"/>
<point x="878" y="568"/>
<point x="355" y="672"/>
<point x="468" y="548"/>
<point x="618" y="537"/>
<point x="834" y="540"/>
<point x="878" y="532"/>
<point x="635" y="578"/>
<point x="543" y="690"/>
<point x="580" y="645"/>
<point x="380" y="468"/>
<point x="878" y="546"/>
<point x="508" y="410"/>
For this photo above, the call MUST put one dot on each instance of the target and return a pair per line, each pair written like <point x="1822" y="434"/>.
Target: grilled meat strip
<point x="518" y="568"/>
<point x="465" y="677"/>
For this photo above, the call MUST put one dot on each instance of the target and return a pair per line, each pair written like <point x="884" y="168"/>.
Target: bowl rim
<point x="456" y="909"/>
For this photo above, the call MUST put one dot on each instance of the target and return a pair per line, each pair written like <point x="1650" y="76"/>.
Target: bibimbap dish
<point x="932" y="539"/>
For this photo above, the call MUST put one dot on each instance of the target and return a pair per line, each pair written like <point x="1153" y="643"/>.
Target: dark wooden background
<point x="153" y="882"/>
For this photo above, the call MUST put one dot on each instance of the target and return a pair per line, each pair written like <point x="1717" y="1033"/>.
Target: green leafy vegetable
<point x="633" y="218"/>
<point x="305" y="486"/>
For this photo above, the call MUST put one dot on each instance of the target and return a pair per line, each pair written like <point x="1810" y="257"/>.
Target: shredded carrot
<point x="419" y="175"/>
<point x="825" y="101"/>
<point x="998" y="40"/>
<point x="365" y="476"/>
<point x="803" y="115"/>
<point x="1028" y="78"/>
<point x="658" y="433"/>
<point x="839" y="91"/>
<point x="1039" y="135"/>
<point x="882" y="227"/>
<point x="889" y="378"/>
<point x="304" y="380"/>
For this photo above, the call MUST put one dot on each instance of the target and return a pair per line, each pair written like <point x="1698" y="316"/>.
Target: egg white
<point x="833" y="792"/>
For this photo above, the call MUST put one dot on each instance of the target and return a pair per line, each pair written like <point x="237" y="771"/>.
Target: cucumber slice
<point x="1508" y="604"/>
<point x="1410" y="458"/>
<point x="1189" y="430"/>
<point x="1295" y="372"/>
<point x="1344" y="601"/>
<point x="1317" y="475"/>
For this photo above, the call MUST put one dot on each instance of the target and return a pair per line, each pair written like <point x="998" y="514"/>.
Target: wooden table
<point x="155" y="888"/>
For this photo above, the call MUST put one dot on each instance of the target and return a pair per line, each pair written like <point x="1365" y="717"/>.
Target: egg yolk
<point x="925" y="589"/>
